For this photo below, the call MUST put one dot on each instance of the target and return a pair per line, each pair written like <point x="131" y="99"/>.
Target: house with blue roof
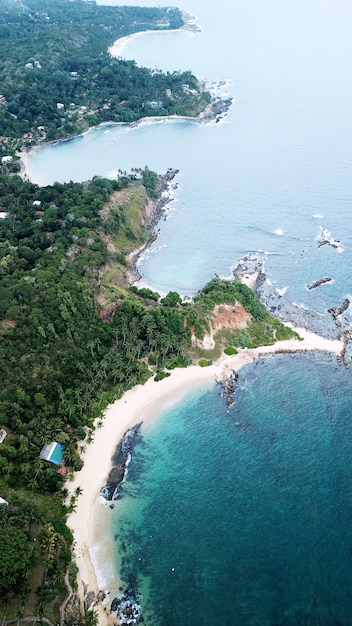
<point x="52" y="452"/>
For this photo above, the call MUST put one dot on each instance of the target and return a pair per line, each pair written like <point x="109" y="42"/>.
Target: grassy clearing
<point x="128" y="210"/>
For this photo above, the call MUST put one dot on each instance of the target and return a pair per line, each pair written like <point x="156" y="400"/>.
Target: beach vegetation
<point x="160" y="375"/>
<point x="150" y="181"/>
<point x="204" y="363"/>
<point x="180" y="361"/>
<point x="230" y="351"/>
<point x="145" y="293"/>
<point x="171" y="299"/>
<point x="91" y="617"/>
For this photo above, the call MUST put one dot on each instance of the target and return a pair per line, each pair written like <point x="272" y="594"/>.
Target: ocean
<point x="243" y="517"/>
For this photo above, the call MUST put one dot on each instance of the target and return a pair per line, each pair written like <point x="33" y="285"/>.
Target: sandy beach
<point x="189" y="25"/>
<point x="118" y="46"/>
<point x="144" y="403"/>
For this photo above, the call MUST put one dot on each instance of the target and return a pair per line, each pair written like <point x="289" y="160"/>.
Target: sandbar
<point x="144" y="403"/>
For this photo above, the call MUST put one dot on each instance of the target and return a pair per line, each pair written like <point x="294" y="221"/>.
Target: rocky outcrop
<point x="346" y="337"/>
<point x="338" y="310"/>
<point x="120" y="462"/>
<point x="228" y="379"/>
<point x="127" y="607"/>
<point x="319" y="282"/>
<point x="206" y="343"/>
<point x="325" y="239"/>
<point x="215" y="110"/>
<point x="326" y="242"/>
<point x="250" y="271"/>
<point x="219" y="107"/>
<point x="162" y="190"/>
<point x="157" y="212"/>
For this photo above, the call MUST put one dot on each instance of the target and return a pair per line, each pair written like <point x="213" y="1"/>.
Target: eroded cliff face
<point x="223" y="317"/>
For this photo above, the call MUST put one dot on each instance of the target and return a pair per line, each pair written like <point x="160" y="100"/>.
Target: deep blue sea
<point x="244" y="518"/>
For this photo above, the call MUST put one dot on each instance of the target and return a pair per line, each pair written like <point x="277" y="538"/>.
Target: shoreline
<point x="145" y="403"/>
<point x="189" y="25"/>
<point x="24" y="154"/>
<point x="212" y="112"/>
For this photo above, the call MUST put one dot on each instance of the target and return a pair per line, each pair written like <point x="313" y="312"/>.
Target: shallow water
<point x="243" y="517"/>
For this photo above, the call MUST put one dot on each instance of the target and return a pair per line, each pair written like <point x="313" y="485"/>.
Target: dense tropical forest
<point x="74" y="333"/>
<point x="75" y="336"/>
<point x="57" y="76"/>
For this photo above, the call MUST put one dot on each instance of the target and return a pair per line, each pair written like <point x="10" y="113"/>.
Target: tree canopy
<point x="57" y="76"/>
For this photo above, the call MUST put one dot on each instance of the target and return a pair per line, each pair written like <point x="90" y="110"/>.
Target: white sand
<point x="117" y="47"/>
<point x="144" y="403"/>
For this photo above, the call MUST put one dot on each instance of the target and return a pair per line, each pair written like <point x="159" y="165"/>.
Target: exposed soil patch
<point x="7" y="323"/>
<point x="229" y="316"/>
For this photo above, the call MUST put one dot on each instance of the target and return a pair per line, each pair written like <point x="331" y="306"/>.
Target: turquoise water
<point x="244" y="517"/>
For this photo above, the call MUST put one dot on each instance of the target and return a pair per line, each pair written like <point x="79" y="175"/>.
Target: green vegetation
<point x="57" y="76"/>
<point x="262" y="329"/>
<point x="230" y="351"/>
<point x="204" y="363"/>
<point x="171" y="299"/>
<point x="146" y="293"/>
<point x="14" y="540"/>
<point x="263" y="333"/>
<point x="161" y="375"/>
<point x="218" y="291"/>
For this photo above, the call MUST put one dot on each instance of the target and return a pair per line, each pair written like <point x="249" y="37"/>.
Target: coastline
<point x="204" y="117"/>
<point x="189" y="25"/>
<point x="144" y="403"/>
<point x="214" y="111"/>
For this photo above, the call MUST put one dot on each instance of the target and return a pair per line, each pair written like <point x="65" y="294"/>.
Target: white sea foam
<point x="149" y="251"/>
<point x="279" y="231"/>
<point x="300" y="305"/>
<point x="318" y="216"/>
<point x="324" y="233"/>
<point x="227" y="276"/>
<point x="282" y="291"/>
<point x="325" y="236"/>
<point x="103" y="565"/>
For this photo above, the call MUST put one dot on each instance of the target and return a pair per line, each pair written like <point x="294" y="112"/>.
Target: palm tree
<point x="91" y="617"/>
